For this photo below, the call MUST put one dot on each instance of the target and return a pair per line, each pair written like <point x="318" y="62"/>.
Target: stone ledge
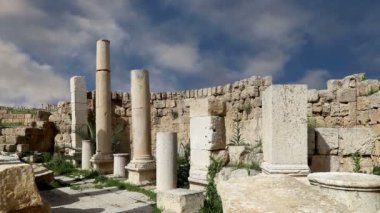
<point x="289" y="169"/>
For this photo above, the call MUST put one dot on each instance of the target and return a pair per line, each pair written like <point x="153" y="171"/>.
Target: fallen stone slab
<point x="108" y="199"/>
<point x="180" y="200"/>
<point x="18" y="192"/>
<point x="42" y="174"/>
<point x="274" y="193"/>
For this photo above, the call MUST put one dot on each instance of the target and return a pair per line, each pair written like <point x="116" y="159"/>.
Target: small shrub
<point x="247" y="108"/>
<point x="46" y="157"/>
<point x="237" y="138"/>
<point x="376" y="170"/>
<point x="60" y="166"/>
<point x="174" y="114"/>
<point x="357" y="158"/>
<point x="372" y="91"/>
<point x="183" y="169"/>
<point x="212" y="203"/>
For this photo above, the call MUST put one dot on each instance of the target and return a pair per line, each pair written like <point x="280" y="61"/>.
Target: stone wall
<point x="9" y="117"/>
<point x="170" y="111"/>
<point x="352" y="102"/>
<point x="352" y="107"/>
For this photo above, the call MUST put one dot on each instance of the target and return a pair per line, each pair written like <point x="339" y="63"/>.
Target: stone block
<point x="180" y="201"/>
<point x="235" y="154"/>
<point x="200" y="158"/>
<point x="326" y="95"/>
<point x="310" y="141"/>
<point x="334" y="85"/>
<point x="363" y="103"/>
<point x="325" y="163"/>
<point x="207" y="133"/>
<point x="327" y="140"/>
<point x="207" y="107"/>
<point x="352" y="140"/>
<point x="22" y="148"/>
<point x="285" y="108"/>
<point x="375" y="100"/>
<point x="18" y="192"/>
<point x="346" y="95"/>
<point x="312" y="96"/>
<point x="159" y="104"/>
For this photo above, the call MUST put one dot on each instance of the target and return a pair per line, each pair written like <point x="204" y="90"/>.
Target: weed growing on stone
<point x="372" y="91"/>
<point x="357" y="158"/>
<point x="376" y="170"/>
<point x="237" y="138"/>
<point x="247" y="108"/>
<point x="10" y="125"/>
<point x="252" y="165"/>
<point x="174" y="114"/>
<point x="213" y="203"/>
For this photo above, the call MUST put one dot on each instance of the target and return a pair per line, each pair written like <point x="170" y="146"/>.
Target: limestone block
<point x="326" y="95"/>
<point x="200" y="158"/>
<point x="235" y="154"/>
<point x="239" y="173"/>
<point x="207" y="107"/>
<point x="312" y="96"/>
<point x="363" y="117"/>
<point x="347" y="164"/>
<point x="334" y="85"/>
<point x="326" y="109"/>
<point x="253" y="91"/>
<point x="374" y="115"/>
<point x="359" y="192"/>
<point x="284" y="108"/>
<point x="352" y="140"/>
<point x="22" y="148"/>
<point x="207" y="133"/>
<point x="180" y="201"/>
<point x="317" y="108"/>
<point x="18" y="191"/>
<point x="375" y="100"/>
<point x="327" y="140"/>
<point x="267" y="80"/>
<point x="346" y="95"/>
<point x="159" y="104"/>
<point x="273" y="193"/>
<point x="325" y="163"/>
<point x="363" y="103"/>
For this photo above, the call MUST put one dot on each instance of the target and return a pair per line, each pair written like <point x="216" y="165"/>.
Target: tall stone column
<point x="79" y="114"/>
<point x="103" y="159"/>
<point x="142" y="166"/>
<point x="285" y="130"/>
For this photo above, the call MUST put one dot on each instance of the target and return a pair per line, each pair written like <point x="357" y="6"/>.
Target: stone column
<point x="79" y="114"/>
<point x="119" y="162"/>
<point x="87" y="152"/>
<point x="207" y="136"/>
<point x="103" y="160"/>
<point x="285" y="130"/>
<point x="166" y="156"/>
<point x="142" y="167"/>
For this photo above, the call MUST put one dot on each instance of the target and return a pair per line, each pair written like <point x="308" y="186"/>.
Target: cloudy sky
<point x="184" y="44"/>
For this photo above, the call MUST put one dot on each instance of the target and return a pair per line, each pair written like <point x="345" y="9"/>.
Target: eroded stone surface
<point x="18" y="192"/>
<point x="273" y="193"/>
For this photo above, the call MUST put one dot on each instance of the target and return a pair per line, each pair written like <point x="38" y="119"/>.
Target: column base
<point x="288" y="169"/>
<point x="102" y="163"/>
<point x="141" y="172"/>
<point x="198" y="178"/>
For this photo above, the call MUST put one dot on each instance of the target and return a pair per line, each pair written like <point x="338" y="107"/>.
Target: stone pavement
<point x="110" y="199"/>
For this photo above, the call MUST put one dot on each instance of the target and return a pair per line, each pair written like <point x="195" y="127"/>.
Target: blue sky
<point x="184" y="44"/>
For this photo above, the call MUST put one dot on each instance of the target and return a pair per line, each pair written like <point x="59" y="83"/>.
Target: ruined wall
<point x="170" y="110"/>
<point x="23" y="118"/>
<point x="352" y="102"/>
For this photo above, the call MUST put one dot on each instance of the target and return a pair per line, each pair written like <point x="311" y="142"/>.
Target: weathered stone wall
<point x="352" y="102"/>
<point x="7" y="116"/>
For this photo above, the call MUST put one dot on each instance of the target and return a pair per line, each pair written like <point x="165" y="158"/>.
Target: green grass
<point x="213" y="202"/>
<point x="10" y="125"/>
<point x="376" y="170"/>
<point x="60" y="166"/>
<point x="252" y="165"/>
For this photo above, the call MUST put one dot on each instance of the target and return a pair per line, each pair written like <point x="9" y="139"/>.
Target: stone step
<point x="42" y="174"/>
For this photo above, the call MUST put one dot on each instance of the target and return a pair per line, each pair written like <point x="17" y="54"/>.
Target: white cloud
<point x="18" y="8"/>
<point x="266" y="63"/>
<point x="179" y="57"/>
<point x="27" y="82"/>
<point x="315" y="79"/>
